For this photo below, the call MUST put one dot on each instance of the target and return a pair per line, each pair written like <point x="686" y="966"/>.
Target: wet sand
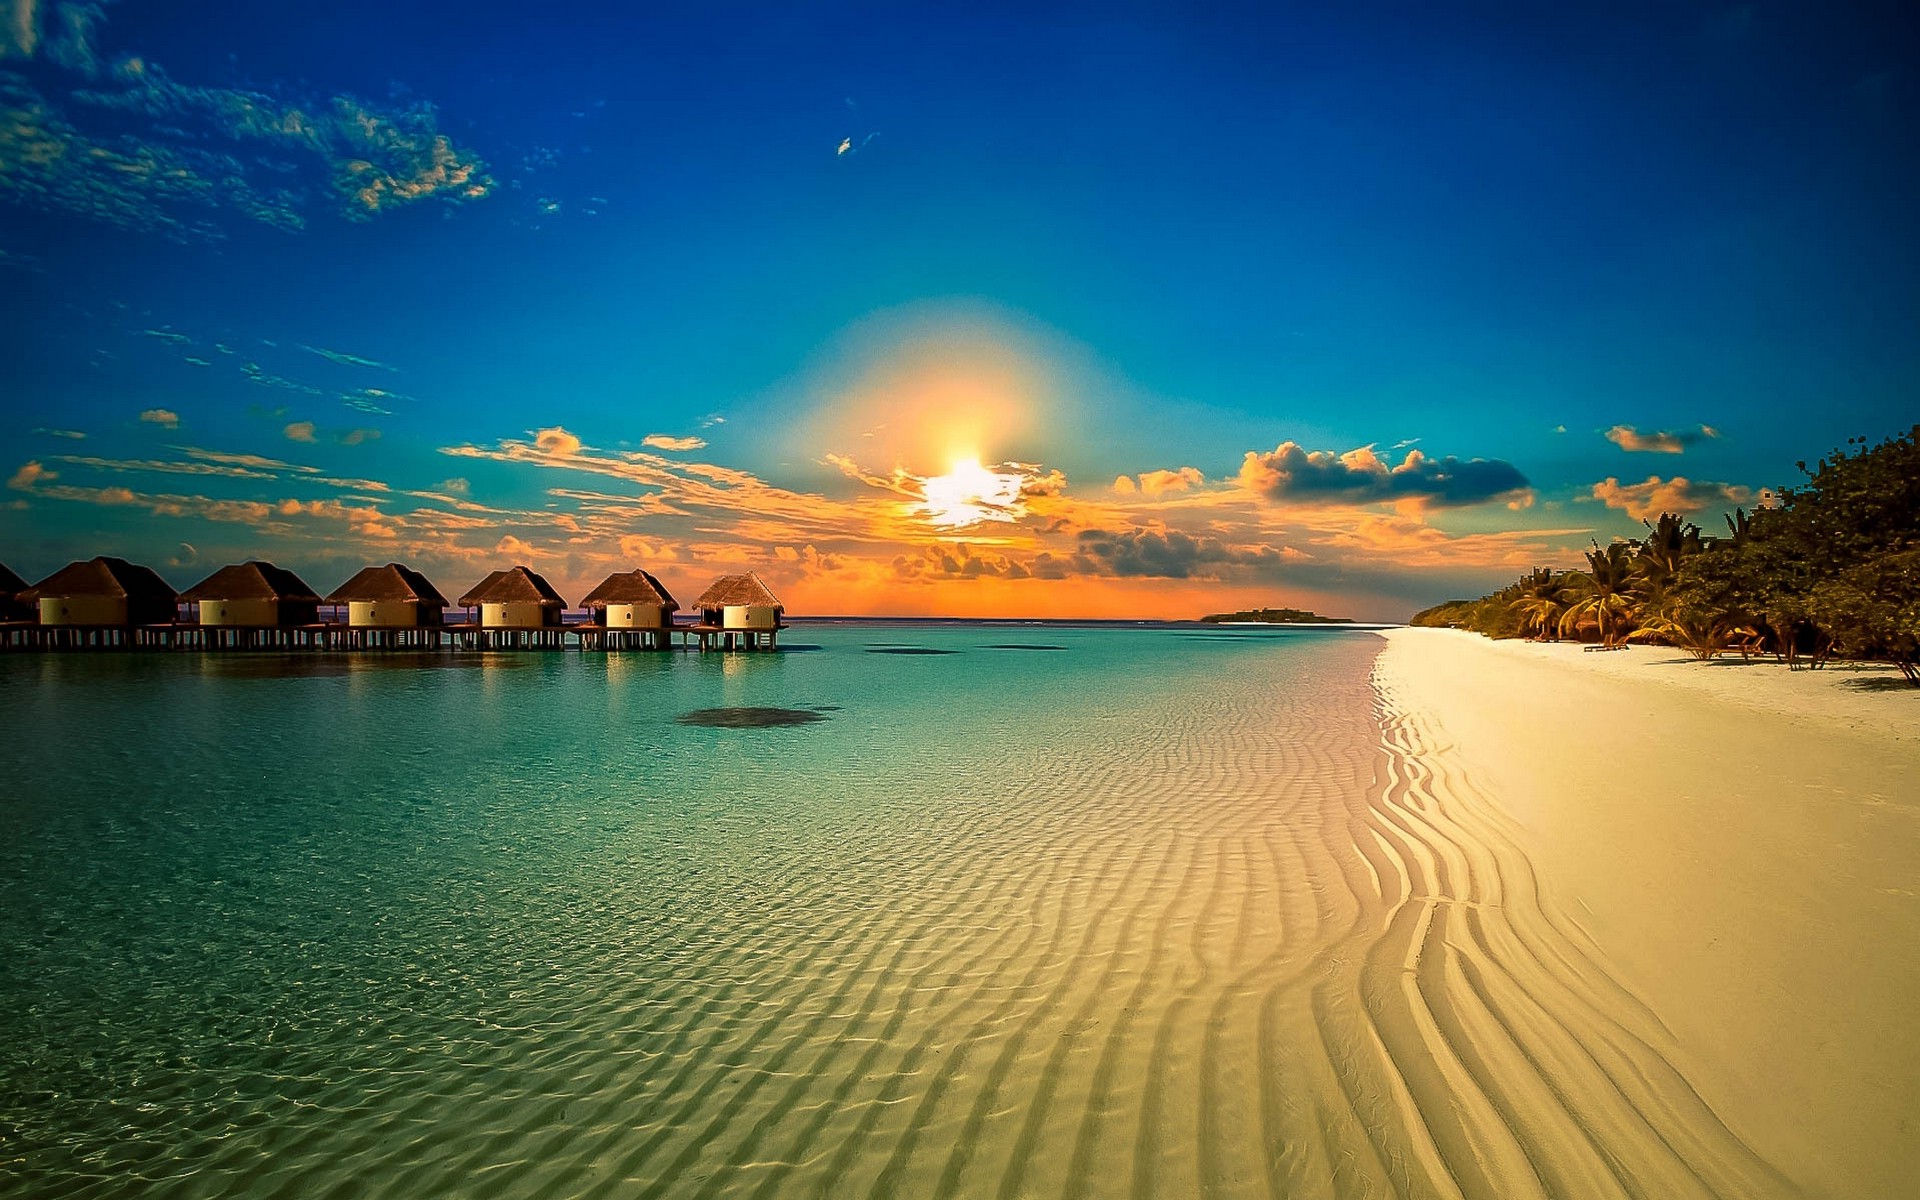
<point x="1736" y="847"/>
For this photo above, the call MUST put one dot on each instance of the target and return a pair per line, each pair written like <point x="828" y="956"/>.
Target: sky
<point x="978" y="310"/>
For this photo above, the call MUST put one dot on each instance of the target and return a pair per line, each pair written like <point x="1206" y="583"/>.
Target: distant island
<point x="1273" y="616"/>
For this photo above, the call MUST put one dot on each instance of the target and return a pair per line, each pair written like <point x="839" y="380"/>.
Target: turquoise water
<point x="502" y="925"/>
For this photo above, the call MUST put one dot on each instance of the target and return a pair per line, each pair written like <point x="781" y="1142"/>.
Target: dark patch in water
<point x="826" y="708"/>
<point x="800" y="647"/>
<point x="907" y="650"/>
<point x="1011" y="646"/>
<point x="749" y="718"/>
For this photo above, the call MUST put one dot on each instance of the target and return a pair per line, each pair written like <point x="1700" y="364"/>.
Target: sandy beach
<point x="1734" y="844"/>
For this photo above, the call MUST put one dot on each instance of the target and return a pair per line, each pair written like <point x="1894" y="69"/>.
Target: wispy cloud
<point x="356" y="437"/>
<point x="1664" y="441"/>
<point x="71" y="434"/>
<point x="345" y="359"/>
<point x="166" y="418"/>
<point x="299" y="431"/>
<point x="126" y="144"/>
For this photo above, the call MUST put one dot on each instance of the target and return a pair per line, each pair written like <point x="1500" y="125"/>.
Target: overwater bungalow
<point x="16" y="615"/>
<point x="518" y="607"/>
<point x="742" y="611"/>
<point x="101" y="602"/>
<point x="631" y="608"/>
<point x="12" y="607"/>
<point x="254" y="605"/>
<point x="390" y="607"/>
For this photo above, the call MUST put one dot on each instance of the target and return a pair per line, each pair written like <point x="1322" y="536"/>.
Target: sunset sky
<point x="1347" y="307"/>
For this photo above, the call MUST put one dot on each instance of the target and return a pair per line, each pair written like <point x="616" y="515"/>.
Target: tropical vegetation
<point x="1829" y="568"/>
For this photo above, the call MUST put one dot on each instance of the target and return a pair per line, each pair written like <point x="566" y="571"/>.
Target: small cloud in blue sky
<point x="1664" y="441"/>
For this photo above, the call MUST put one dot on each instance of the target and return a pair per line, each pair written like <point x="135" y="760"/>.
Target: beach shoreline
<point x="1735" y="841"/>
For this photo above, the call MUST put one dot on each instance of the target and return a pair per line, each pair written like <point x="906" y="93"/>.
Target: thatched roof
<point x="738" y="589"/>
<point x="11" y="585"/>
<point x="103" y="576"/>
<point x="391" y="582"/>
<point x="630" y="587"/>
<point x="252" y="581"/>
<point x="516" y="585"/>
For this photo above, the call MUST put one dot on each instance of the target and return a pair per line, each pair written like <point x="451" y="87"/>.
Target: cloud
<point x="127" y="145"/>
<point x="163" y="466"/>
<point x="556" y="441"/>
<point x="1291" y="473"/>
<point x="299" y="431"/>
<point x="166" y="418"/>
<point x="72" y="434"/>
<point x="664" y="441"/>
<point x="345" y="359"/>
<point x="1168" y="553"/>
<point x="254" y="461"/>
<point x="1158" y="483"/>
<point x="1677" y="495"/>
<point x="1664" y="441"/>
<point x="19" y="29"/>
<point x="847" y="145"/>
<point x="30" y="473"/>
<point x="355" y="437"/>
<point x="454" y="487"/>
<point x="254" y="372"/>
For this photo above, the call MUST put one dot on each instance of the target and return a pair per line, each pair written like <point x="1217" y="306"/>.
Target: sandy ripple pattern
<point x="1260" y="940"/>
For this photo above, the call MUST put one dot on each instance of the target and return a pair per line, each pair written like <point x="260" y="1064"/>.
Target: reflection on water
<point x="252" y="665"/>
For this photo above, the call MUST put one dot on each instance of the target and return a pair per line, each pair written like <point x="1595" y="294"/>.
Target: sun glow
<point x="968" y="495"/>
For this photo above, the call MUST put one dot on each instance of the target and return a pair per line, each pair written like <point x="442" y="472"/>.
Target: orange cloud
<point x="299" y="431"/>
<point x="556" y="441"/>
<point x="664" y="441"/>
<point x="1659" y="442"/>
<point x="29" y="474"/>
<point x="1157" y="483"/>
<point x="166" y="418"/>
<point x="1677" y="495"/>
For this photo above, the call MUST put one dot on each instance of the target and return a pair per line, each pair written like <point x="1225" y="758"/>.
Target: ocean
<point x="928" y="910"/>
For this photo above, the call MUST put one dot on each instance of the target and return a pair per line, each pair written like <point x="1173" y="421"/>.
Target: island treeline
<point x="1273" y="616"/>
<point x="1832" y="569"/>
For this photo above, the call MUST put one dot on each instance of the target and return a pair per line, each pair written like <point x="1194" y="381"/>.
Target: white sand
<point x="1742" y="844"/>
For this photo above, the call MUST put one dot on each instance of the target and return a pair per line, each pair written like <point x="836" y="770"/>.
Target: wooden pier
<point x="324" y="636"/>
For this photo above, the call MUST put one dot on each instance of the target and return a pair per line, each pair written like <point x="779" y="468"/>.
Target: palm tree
<point x="1606" y="596"/>
<point x="1701" y="635"/>
<point x="1656" y="562"/>
<point x="1541" y="600"/>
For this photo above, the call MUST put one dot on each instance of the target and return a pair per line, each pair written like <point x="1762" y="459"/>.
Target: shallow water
<point x="1122" y="918"/>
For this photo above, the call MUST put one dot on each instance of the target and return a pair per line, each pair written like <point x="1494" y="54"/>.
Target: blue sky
<point x="1250" y="259"/>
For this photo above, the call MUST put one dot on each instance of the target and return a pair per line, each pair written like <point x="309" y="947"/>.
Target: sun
<point x="969" y="494"/>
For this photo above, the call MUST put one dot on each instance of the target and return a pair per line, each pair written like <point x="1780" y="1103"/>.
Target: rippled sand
<point x="1256" y="937"/>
